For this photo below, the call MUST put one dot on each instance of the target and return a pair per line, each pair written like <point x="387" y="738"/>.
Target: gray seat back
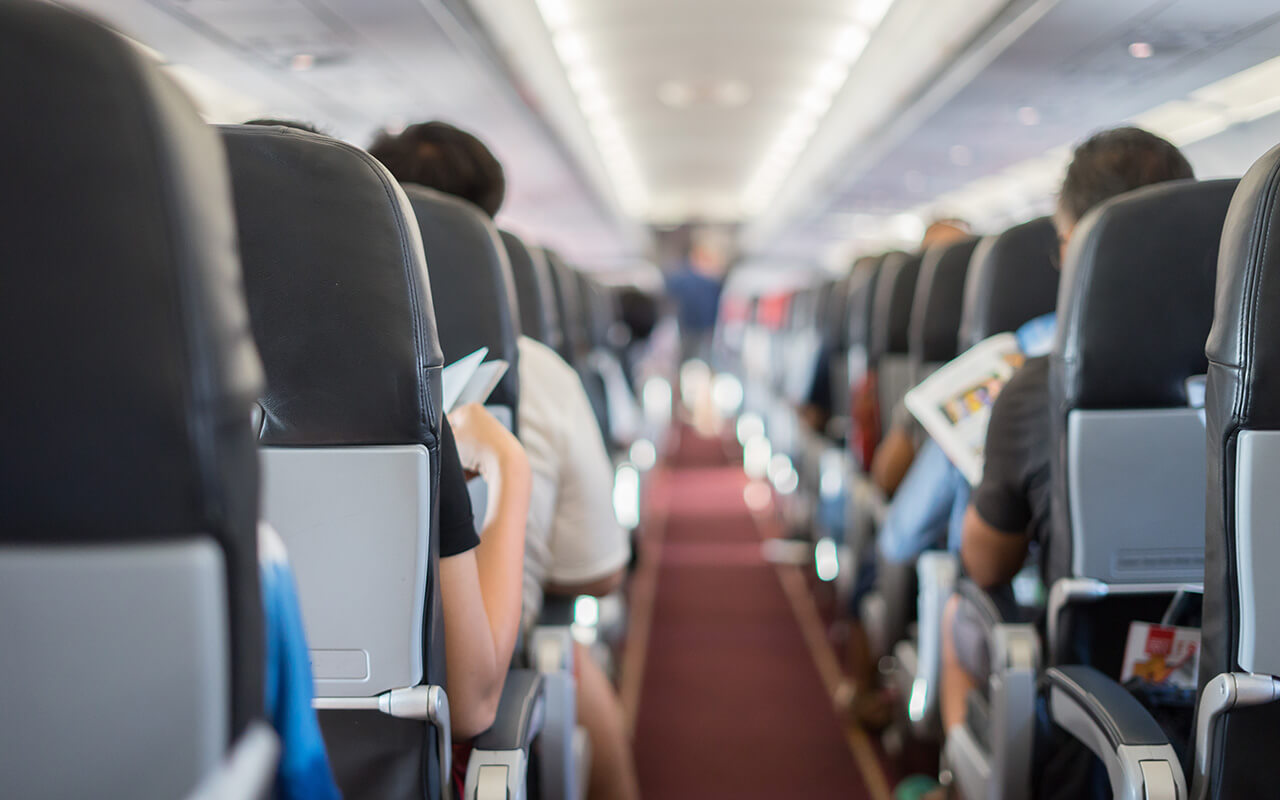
<point x="1133" y="311"/>
<point x="131" y="640"/>
<point x="1012" y="280"/>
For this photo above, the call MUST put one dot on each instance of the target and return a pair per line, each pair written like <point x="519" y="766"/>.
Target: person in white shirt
<point x="573" y="542"/>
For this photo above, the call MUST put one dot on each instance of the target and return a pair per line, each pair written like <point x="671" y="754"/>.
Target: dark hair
<point x="286" y="123"/>
<point x="440" y="156"/>
<point x="639" y="312"/>
<point x="1114" y="162"/>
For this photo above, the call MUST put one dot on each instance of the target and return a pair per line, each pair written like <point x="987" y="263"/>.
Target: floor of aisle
<point x="733" y="695"/>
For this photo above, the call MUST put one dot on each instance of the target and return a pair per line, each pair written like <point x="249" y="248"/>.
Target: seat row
<point x="190" y="308"/>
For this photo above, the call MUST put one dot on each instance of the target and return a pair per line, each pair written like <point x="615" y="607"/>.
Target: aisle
<point x="730" y="701"/>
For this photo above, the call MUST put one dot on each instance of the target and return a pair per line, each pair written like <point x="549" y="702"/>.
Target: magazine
<point x="470" y="379"/>
<point x="1162" y="654"/>
<point x="954" y="403"/>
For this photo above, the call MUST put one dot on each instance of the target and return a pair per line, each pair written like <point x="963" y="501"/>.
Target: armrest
<point x="499" y="764"/>
<point x="936" y="573"/>
<point x="1096" y="710"/>
<point x="249" y="771"/>
<point x="557" y="610"/>
<point x="520" y="714"/>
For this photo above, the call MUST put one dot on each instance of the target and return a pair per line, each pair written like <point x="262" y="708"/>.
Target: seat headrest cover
<point x="862" y="292"/>
<point x="935" y="312"/>
<point x="1247" y="298"/>
<point x="128" y="365"/>
<point x="338" y="292"/>
<point x="533" y="291"/>
<point x="1012" y="280"/>
<point x="573" y="343"/>
<point x="1135" y="303"/>
<point x="471" y="282"/>
<point x="891" y="308"/>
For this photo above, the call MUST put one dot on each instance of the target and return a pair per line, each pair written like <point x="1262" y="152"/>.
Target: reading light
<point x="675" y="94"/>
<point x="1028" y="116"/>
<point x="1141" y="50"/>
<point x="302" y="62"/>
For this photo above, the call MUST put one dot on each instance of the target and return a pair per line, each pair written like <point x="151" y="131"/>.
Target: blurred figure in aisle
<point x="695" y="287"/>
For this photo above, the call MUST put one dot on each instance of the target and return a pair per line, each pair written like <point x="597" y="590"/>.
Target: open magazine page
<point x="954" y="403"/>
<point x="455" y="377"/>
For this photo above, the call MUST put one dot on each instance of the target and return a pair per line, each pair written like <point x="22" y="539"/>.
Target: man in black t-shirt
<point x="1010" y="507"/>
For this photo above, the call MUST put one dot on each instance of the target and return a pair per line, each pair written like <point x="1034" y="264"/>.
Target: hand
<point x="485" y="446"/>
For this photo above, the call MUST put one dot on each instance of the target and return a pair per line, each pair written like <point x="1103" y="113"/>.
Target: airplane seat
<point x="340" y="304"/>
<point x="481" y="311"/>
<point x="467" y="263"/>
<point x="887" y="622"/>
<point x="890" y="326"/>
<point x="934" y="328"/>
<point x="1012" y="280"/>
<point x="534" y="294"/>
<point x="1133" y="312"/>
<point x="1239" y="662"/>
<point x="573" y="344"/>
<point x="132" y="644"/>
<point x="593" y="337"/>
<point x="932" y="339"/>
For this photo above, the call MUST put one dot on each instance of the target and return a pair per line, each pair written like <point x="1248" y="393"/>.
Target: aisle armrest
<point x="499" y="764"/>
<point x="249" y="771"/>
<point x="1141" y="763"/>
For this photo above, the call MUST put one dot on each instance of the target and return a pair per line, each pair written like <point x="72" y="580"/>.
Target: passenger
<point x="1010" y="508"/>
<point x="479" y="575"/>
<point x="573" y="544"/>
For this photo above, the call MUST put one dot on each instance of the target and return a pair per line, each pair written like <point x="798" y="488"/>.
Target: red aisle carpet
<point x="731" y="704"/>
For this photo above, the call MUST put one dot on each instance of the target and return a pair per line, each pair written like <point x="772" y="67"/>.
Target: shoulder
<point x="536" y="356"/>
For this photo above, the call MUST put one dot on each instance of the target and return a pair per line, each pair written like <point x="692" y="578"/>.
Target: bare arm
<point x="481" y="588"/>
<point x="892" y="460"/>
<point x="991" y="556"/>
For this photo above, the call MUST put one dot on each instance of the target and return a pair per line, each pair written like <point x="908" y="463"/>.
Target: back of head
<point x="1113" y="162"/>
<point x="439" y="156"/>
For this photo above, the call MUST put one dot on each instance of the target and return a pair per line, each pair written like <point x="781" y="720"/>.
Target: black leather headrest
<point x="935" y="311"/>
<point x="1135" y="303"/>
<point x="471" y="283"/>
<point x="568" y="304"/>
<point x="891" y="308"/>
<point x="594" y="309"/>
<point x="534" y="294"/>
<point x="1012" y="281"/>
<point x="128" y="367"/>
<point x="862" y="291"/>
<point x="338" y="292"/>
<point x="1247" y="302"/>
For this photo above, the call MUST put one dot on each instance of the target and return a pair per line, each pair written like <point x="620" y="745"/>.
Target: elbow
<point x="473" y="716"/>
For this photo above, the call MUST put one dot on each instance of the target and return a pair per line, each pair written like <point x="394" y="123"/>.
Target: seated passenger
<point x="480" y="576"/>
<point x="573" y="543"/>
<point x="1010" y="508"/>
<point x="927" y="511"/>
